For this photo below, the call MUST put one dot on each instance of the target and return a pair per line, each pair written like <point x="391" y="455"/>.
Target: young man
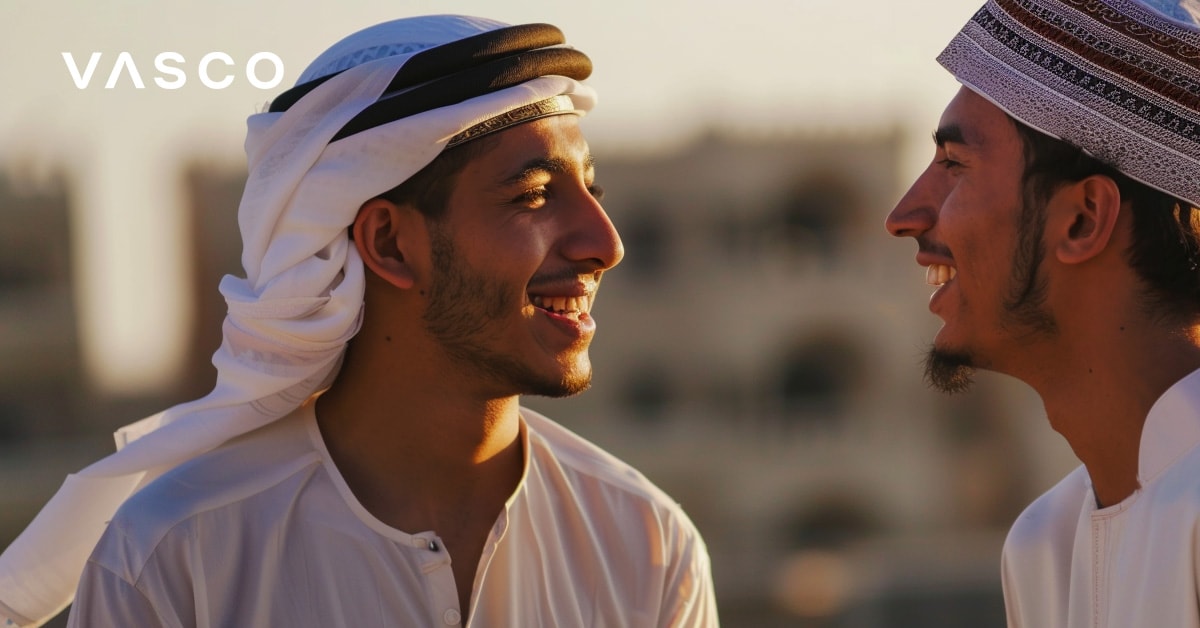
<point x="1058" y="221"/>
<point x="426" y="191"/>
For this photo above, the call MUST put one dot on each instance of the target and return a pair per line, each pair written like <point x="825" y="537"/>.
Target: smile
<point x="939" y="274"/>
<point x="568" y="307"/>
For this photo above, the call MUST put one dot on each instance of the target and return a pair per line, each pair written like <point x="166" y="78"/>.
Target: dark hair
<point x="429" y="189"/>
<point x="1165" y="250"/>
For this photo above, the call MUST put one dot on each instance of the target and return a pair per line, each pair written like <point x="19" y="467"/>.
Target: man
<point x="1058" y="221"/>
<point x="395" y="482"/>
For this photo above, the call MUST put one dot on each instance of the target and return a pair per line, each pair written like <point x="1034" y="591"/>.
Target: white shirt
<point x="1131" y="565"/>
<point x="264" y="532"/>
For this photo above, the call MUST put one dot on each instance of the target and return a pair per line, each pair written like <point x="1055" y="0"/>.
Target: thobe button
<point x="452" y="617"/>
<point x="433" y="546"/>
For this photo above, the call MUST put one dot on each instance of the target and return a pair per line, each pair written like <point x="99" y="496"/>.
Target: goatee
<point x="948" y="371"/>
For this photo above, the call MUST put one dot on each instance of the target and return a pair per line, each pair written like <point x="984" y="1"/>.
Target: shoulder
<point x="1051" y="518"/>
<point x="598" y="476"/>
<point x="580" y="457"/>
<point x="630" y="520"/>
<point x="1036" y="563"/>
<point x="233" y="471"/>
<point x="240" y="470"/>
<point x="1177" y="487"/>
<point x="640" y="534"/>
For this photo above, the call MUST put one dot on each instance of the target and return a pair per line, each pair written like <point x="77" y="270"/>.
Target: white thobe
<point x="1135" y="564"/>
<point x="264" y="532"/>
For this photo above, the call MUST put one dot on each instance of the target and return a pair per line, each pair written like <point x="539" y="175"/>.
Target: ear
<point x="1086" y="214"/>
<point x="382" y="234"/>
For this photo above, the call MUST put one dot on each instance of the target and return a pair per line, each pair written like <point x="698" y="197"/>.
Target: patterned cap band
<point x="541" y="109"/>
<point x="1109" y="76"/>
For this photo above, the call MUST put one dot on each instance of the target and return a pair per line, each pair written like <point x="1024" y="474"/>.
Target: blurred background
<point x="759" y="349"/>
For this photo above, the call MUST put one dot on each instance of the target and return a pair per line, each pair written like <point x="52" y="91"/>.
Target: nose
<point x="593" y="238"/>
<point x="917" y="210"/>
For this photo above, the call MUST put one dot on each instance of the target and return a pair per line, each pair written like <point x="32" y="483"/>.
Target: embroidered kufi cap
<point x="1118" y="78"/>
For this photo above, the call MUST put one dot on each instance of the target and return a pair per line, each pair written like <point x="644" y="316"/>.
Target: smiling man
<point x="1059" y="224"/>
<point x="423" y="243"/>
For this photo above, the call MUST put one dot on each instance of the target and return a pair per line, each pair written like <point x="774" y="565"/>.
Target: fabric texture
<point x="290" y="317"/>
<point x="1114" y="77"/>
<point x="263" y="531"/>
<point x="1069" y="564"/>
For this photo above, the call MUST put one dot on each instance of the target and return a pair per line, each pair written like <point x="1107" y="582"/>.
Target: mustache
<point x="925" y="246"/>
<point x="586" y="276"/>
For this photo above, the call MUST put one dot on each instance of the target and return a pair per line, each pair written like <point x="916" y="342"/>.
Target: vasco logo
<point x="170" y="73"/>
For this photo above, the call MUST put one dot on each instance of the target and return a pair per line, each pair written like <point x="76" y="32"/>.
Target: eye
<point x="947" y="163"/>
<point x="533" y="198"/>
<point x="596" y="191"/>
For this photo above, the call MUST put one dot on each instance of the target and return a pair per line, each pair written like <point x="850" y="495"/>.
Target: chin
<point x="570" y="380"/>
<point x="576" y="380"/>
<point x="949" y="370"/>
<point x="566" y="386"/>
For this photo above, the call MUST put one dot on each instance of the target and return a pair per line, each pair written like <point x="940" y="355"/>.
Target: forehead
<point x="556" y="139"/>
<point x="974" y="121"/>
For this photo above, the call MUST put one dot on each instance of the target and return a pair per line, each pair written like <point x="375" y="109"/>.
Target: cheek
<point x="522" y="249"/>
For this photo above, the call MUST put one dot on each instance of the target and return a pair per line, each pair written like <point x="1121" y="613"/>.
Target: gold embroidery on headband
<point x="540" y="109"/>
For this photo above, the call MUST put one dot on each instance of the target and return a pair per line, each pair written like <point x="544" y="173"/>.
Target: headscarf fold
<point x="290" y="317"/>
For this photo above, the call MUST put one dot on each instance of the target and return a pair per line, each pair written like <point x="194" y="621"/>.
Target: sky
<point x="665" y="70"/>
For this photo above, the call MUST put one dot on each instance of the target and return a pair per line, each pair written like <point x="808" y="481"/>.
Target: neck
<point x="1098" y="394"/>
<point x="415" y="442"/>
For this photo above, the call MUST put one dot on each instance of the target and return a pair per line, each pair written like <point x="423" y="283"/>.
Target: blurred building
<point x="52" y="421"/>
<point x="40" y="364"/>
<point x="43" y="395"/>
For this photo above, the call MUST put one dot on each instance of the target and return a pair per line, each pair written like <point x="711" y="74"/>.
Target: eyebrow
<point x="951" y="133"/>
<point x="552" y="165"/>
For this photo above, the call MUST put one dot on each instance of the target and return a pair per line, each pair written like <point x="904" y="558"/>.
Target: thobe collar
<point x="1172" y="428"/>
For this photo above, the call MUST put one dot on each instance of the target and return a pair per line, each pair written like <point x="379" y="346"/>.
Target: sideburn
<point x="1024" y="307"/>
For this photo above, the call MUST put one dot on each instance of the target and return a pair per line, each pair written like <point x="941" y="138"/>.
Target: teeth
<point x="939" y="274"/>
<point x="563" y="305"/>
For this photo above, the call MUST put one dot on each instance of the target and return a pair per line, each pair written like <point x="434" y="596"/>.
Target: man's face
<point x="517" y="258"/>
<point x="980" y="241"/>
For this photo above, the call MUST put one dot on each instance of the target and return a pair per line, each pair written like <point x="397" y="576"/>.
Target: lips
<point x="572" y="307"/>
